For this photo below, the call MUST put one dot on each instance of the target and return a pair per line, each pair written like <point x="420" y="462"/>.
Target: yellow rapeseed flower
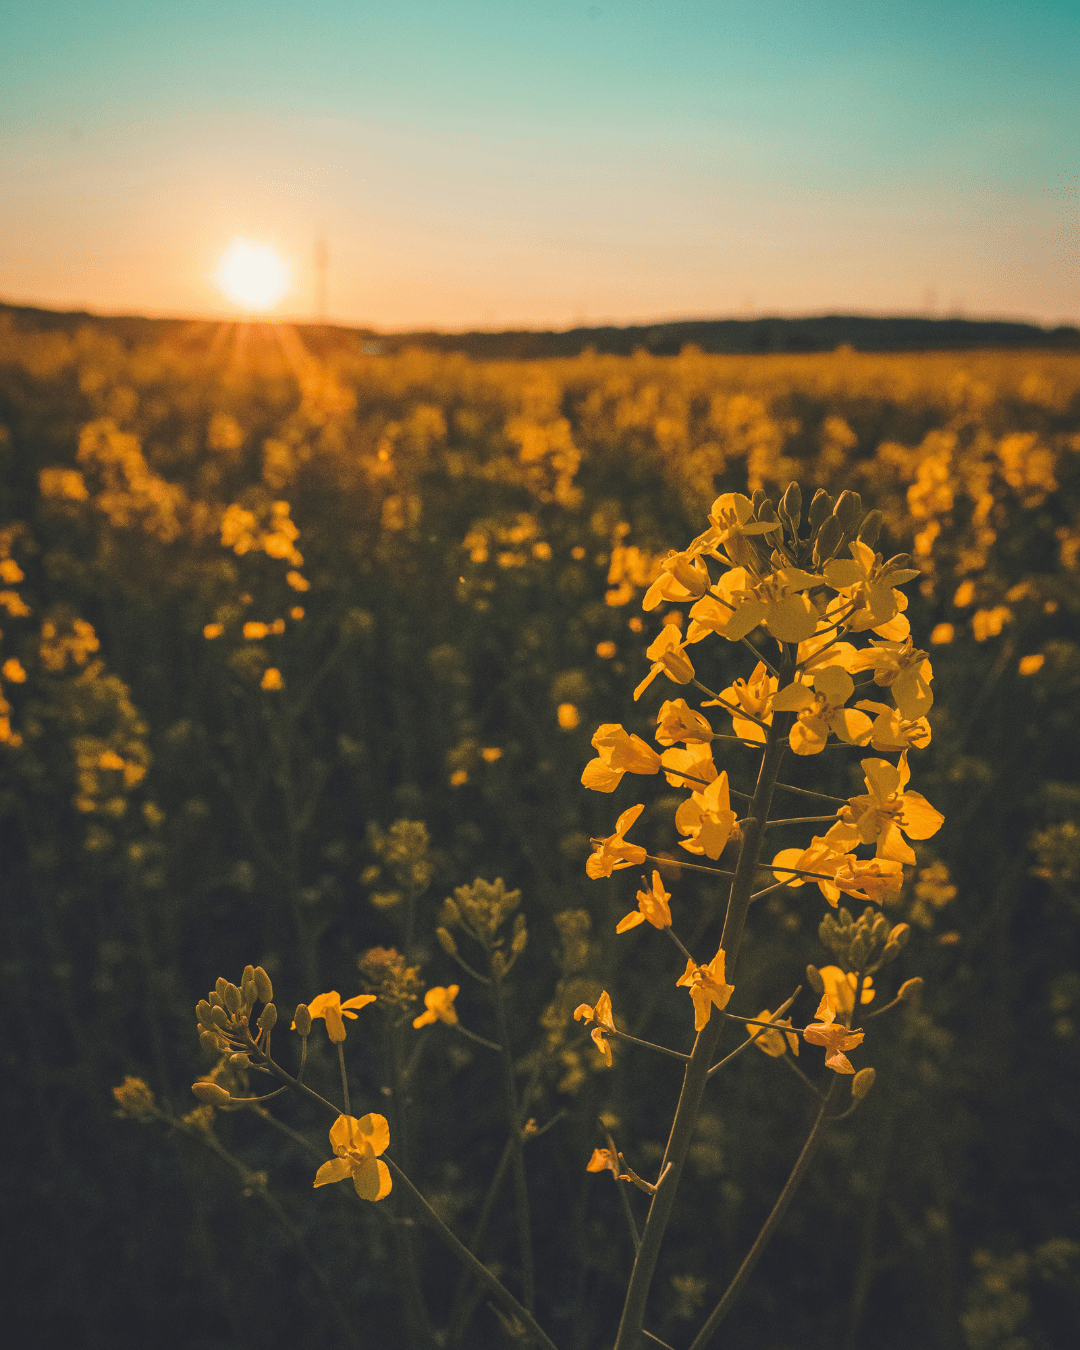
<point x="833" y="1035"/>
<point x="331" y="1009"/>
<point x="706" y="816"/>
<point x="667" y="656"/>
<point x="652" y="906"/>
<point x="567" y="716"/>
<point x="13" y="672"/>
<point x="358" y="1144"/>
<point x="602" y="1015"/>
<point x="614" y="852"/>
<point x="822" y="711"/>
<point x="840" y="988"/>
<point x="213" y="630"/>
<point x="271" y="679"/>
<point x="618" y="753"/>
<point x="439" y="1003"/>
<point x="706" y="986"/>
<point x="774" y="1043"/>
<point x="677" y="721"/>
<point x="892" y="730"/>
<point x="753" y="696"/>
<point x="878" y="816"/>
<point x="904" y="670"/>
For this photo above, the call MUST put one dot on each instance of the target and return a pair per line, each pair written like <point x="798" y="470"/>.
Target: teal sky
<point x="478" y="164"/>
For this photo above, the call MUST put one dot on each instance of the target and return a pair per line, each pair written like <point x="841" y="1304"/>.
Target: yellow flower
<point x="567" y="716"/>
<point x="833" y="1035"/>
<point x="707" y="987"/>
<point x="603" y="1160"/>
<point x="988" y="623"/>
<point x="877" y="880"/>
<point x="780" y="603"/>
<point x="667" y="655"/>
<point x="331" y="1009"/>
<point x="601" y="1014"/>
<point x="213" y="630"/>
<point x="893" y="731"/>
<point x="1031" y="665"/>
<point x="254" y="630"/>
<point x="10" y="572"/>
<point x="867" y="582"/>
<point x="942" y="634"/>
<point x="271" y="679"/>
<point x="358" y="1144"/>
<point x="680" y="580"/>
<point x="619" y="753"/>
<point x="840" y="988"/>
<point x="753" y="696"/>
<point x="819" y="857"/>
<point x="677" y="721"/>
<point x="681" y="766"/>
<point x="439" y="1003"/>
<point x="491" y="754"/>
<point x="902" y="668"/>
<point x="878" y="816"/>
<point x="774" y="1043"/>
<point x="297" y="581"/>
<point x="13" y="672"/>
<point x="652" y="905"/>
<point x="706" y="816"/>
<point x="822" y="712"/>
<point x="614" y="852"/>
<point x="713" y="611"/>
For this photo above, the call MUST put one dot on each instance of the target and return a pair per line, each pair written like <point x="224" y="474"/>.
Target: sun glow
<point x="253" y="275"/>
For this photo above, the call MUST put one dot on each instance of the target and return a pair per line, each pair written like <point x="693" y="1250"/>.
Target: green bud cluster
<point x="863" y="945"/>
<point x="223" y="1016"/>
<point x="481" y="909"/>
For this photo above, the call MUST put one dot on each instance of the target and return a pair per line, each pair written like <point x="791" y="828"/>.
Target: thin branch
<point x="767" y="664"/>
<point x="800" y="820"/>
<point x="502" y="1295"/>
<point x="806" y="792"/>
<point x="773" y="1222"/>
<point x="648" y="1045"/>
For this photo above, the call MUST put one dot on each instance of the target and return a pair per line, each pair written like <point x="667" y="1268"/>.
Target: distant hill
<point x="731" y="336"/>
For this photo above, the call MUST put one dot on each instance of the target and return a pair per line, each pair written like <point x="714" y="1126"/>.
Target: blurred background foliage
<point x="261" y="610"/>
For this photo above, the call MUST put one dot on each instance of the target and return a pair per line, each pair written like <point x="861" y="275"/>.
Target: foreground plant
<point x="810" y="589"/>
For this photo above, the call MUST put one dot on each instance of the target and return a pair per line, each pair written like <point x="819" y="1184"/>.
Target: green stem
<point x="735" y="1288"/>
<point x="521" y="1189"/>
<point x="344" y="1077"/>
<point x="697" y="1069"/>
<point x="502" y="1296"/>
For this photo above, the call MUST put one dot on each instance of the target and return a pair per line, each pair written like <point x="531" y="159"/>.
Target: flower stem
<point x="344" y="1077"/>
<point x="705" y="1044"/>
<point x="735" y="1288"/>
<point x="521" y="1189"/>
<point x="502" y="1296"/>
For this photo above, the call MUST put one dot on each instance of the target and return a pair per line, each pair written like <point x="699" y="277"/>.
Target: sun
<point x="254" y="275"/>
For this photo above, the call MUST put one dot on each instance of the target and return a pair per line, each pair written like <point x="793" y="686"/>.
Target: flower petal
<point x="372" y="1180"/>
<point x="337" y="1169"/>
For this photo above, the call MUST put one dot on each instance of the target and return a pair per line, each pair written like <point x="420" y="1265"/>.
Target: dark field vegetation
<point x="219" y="705"/>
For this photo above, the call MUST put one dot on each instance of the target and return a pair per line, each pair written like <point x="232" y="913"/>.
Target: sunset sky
<point x="478" y="164"/>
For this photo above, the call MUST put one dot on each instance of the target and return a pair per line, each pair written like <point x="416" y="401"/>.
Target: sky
<point x="503" y="163"/>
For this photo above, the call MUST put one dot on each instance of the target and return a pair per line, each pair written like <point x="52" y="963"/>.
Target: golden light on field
<point x="253" y="275"/>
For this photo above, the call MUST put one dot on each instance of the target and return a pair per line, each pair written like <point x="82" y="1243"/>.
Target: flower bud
<point x="240" y="1060"/>
<point x="814" y="980"/>
<point x="911" y="990"/>
<point x="302" y="1020"/>
<point x="248" y="993"/>
<point x="870" y="529"/>
<point x="520" y="937"/>
<point x="210" y="1043"/>
<point x="862" y="1083"/>
<point x="263" y="986"/>
<point x="210" y="1094"/>
<point x="220" y="987"/>
<point x="202" y="1012"/>
<point x="220" y="1017"/>
<point x="268" y="1020"/>
<point x="828" y="540"/>
<point x="820" y="509"/>
<point x="791" y="506"/>
<point x="232" y="999"/>
<point x="848" y="510"/>
<point x="899" y="935"/>
<point x="248" y="976"/>
<point x="446" y="941"/>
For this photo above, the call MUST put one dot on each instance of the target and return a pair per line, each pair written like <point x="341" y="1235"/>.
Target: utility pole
<point x="322" y="260"/>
